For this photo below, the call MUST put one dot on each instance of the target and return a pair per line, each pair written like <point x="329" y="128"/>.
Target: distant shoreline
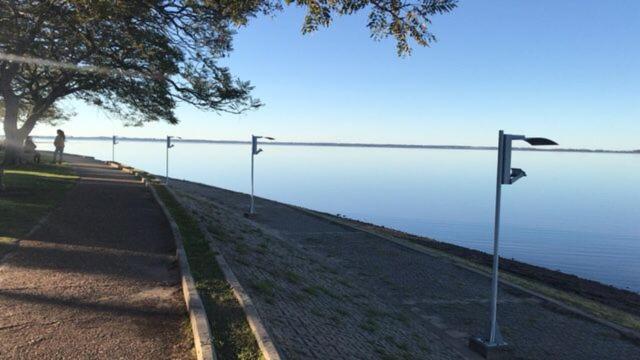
<point x="355" y="145"/>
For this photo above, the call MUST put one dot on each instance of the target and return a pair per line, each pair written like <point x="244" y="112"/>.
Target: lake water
<point x="575" y="212"/>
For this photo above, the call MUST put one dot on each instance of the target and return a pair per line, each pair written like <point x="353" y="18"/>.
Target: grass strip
<point x="31" y="191"/>
<point x="50" y="175"/>
<point x="233" y="338"/>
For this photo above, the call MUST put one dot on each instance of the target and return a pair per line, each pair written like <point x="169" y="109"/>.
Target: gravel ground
<point x="98" y="280"/>
<point x="327" y="291"/>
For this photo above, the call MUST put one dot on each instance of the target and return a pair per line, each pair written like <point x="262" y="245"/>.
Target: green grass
<point x="31" y="191"/>
<point x="264" y="287"/>
<point x="45" y="172"/>
<point x="369" y="325"/>
<point x="263" y="248"/>
<point x="291" y="276"/>
<point x="233" y="338"/>
<point x="6" y="245"/>
<point x="311" y="290"/>
<point x="242" y="248"/>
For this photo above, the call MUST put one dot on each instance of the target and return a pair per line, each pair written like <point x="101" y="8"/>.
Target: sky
<point x="568" y="70"/>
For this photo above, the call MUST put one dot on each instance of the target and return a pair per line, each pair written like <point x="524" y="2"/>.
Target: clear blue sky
<point x="567" y="69"/>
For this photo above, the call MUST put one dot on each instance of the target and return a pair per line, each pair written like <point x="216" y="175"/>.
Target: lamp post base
<point x="481" y="346"/>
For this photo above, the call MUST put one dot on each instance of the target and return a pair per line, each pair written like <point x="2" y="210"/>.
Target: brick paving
<point x="330" y="292"/>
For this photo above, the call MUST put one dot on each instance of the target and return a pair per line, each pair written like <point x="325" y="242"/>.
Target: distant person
<point x="30" y="150"/>
<point x="59" y="144"/>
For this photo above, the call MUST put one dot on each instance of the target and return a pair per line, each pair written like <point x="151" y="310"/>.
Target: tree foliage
<point x="400" y="19"/>
<point x="56" y="114"/>
<point x="138" y="59"/>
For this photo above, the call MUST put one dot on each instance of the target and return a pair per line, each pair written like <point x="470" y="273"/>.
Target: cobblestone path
<point x="331" y="292"/>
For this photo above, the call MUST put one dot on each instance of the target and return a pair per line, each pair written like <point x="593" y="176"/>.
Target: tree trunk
<point x="14" y="140"/>
<point x="13" y="148"/>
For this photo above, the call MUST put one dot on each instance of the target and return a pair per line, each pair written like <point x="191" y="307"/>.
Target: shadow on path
<point x="98" y="279"/>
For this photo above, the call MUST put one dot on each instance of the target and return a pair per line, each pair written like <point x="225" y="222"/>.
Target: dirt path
<point x="98" y="280"/>
<point x="327" y="291"/>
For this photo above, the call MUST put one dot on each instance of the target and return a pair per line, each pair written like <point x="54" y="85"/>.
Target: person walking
<point x="59" y="144"/>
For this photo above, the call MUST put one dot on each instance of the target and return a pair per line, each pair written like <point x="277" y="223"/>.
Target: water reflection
<point x="573" y="212"/>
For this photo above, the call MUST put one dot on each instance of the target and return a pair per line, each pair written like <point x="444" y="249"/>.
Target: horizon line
<point x="345" y="144"/>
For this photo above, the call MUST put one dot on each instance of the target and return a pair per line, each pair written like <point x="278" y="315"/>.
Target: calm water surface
<point x="578" y="213"/>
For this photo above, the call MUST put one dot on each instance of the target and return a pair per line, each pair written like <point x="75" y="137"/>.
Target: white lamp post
<point x="114" y="142"/>
<point x="506" y="176"/>
<point x="169" y="146"/>
<point x="255" y="151"/>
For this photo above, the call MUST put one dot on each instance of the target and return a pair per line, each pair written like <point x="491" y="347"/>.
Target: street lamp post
<point x="255" y="151"/>
<point x="114" y="142"/>
<point x="169" y="146"/>
<point x="505" y="176"/>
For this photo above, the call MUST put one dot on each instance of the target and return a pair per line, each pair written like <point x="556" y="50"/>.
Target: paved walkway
<point x="98" y="280"/>
<point x="330" y="292"/>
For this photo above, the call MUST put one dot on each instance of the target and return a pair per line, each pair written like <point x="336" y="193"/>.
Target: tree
<point x="137" y="59"/>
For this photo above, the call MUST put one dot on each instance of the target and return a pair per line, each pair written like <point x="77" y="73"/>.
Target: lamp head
<point x="254" y="143"/>
<point x="539" y="141"/>
<point x="516" y="174"/>
<point x="510" y="175"/>
<point x="169" y="144"/>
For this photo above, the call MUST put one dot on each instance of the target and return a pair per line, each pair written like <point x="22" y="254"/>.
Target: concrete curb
<point x="202" y="337"/>
<point x="265" y="343"/>
<point x="128" y="170"/>
<point x="425" y="250"/>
